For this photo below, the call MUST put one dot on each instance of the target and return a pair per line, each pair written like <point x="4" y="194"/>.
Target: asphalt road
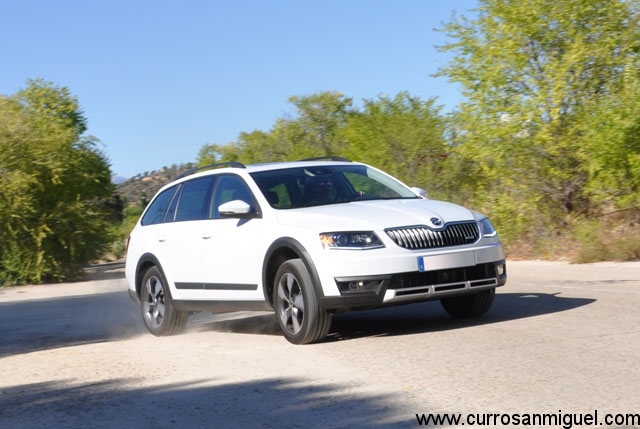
<point x="561" y="339"/>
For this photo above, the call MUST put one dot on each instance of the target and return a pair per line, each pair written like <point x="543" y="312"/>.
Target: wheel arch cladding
<point x="281" y="250"/>
<point x="145" y="262"/>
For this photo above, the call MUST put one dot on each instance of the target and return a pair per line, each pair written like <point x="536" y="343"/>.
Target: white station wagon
<point x="306" y="239"/>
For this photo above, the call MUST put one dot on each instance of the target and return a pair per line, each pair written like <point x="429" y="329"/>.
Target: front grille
<point x="422" y="237"/>
<point x="450" y="276"/>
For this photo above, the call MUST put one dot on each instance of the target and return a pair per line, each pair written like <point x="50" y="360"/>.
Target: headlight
<point x="487" y="229"/>
<point x="350" y="240"/>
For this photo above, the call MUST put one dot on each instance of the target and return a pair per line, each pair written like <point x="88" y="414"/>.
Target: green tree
<point x="404" y="136"/>
<point x="57" y="204"/>
<point x="613" y="143"/>
<point x="536" y="74"/>
<point x="314" y="130"/>
<point x="253" y="147"/>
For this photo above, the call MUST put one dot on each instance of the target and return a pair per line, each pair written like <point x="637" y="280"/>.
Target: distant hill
<point x="144" y="186"/>
<point x="116" y="180"/>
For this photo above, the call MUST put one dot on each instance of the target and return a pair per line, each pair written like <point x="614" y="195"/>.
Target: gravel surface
<point x="560" y="338"/>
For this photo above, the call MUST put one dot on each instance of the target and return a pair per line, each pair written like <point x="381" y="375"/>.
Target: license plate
<point x="446" y="261"/>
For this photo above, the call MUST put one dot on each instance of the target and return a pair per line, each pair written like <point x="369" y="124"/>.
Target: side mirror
<point x="420" y="192"/>
<point x="236" y="209"/>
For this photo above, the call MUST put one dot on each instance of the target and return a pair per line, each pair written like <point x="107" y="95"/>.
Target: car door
<point x="230" y="246"/>
<point x="181" y="237"/>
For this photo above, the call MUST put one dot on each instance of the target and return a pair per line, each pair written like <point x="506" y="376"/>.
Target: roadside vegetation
<point x="546" y="142"/>
<point x="58" y="207"/>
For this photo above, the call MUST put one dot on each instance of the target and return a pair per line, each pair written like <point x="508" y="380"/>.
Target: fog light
<point x="500" y="269"/>
<point x="356" y="286"/>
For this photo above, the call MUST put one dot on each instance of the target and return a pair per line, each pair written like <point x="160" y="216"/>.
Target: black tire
<point x="158" y="312"/>
<point x="301" y="319"/>
<point x="466" y="306"/>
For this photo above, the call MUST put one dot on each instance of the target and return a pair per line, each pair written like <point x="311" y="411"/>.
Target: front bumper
<point x="415" y="286"/>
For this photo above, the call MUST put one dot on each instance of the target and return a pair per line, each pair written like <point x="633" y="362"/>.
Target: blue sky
<point x="157" y="80"/>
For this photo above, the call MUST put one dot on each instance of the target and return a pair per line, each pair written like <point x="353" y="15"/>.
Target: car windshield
<point x="293" y="188"/>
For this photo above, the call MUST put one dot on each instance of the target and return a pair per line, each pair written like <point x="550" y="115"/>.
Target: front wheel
<point x="300" y="317"/>
<point x="465" y="306"/>
<point x="158" y="312"/>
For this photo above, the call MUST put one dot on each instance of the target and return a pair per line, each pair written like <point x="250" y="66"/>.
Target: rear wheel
<point x="474" y="305"/>
<point x="300" y="317"/>
<point x="158" y="312"/>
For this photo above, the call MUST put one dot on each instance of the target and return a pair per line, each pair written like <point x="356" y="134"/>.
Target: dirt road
<point x="560" y="339"/>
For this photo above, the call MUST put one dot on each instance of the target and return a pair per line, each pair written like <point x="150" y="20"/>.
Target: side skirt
<point x="221" y="306"/>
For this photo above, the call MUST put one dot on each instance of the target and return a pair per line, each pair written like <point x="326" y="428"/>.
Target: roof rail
<point x="327" y="158"/>
<point x="234" y="164"/>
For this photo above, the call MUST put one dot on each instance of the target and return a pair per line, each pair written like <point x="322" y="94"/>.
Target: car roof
<point x="234" y="166"/>
<point x="252" y="168"/>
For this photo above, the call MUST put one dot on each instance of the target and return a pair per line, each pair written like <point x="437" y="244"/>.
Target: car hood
<point x="376" y="215"/>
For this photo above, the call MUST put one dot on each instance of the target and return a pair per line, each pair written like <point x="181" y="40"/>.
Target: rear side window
<point x="158" y="208"/>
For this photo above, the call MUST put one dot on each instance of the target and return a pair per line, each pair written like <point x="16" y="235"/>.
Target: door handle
<point x="162" y="239"/>
<point x="206" y="235"/>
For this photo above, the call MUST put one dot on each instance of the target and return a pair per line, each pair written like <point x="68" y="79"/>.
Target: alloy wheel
<point x="290" y="303"/>
<point x="153" y="304"/>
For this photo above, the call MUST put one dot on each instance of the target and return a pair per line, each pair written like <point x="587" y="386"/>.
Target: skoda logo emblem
<point x="436" y="221"/>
